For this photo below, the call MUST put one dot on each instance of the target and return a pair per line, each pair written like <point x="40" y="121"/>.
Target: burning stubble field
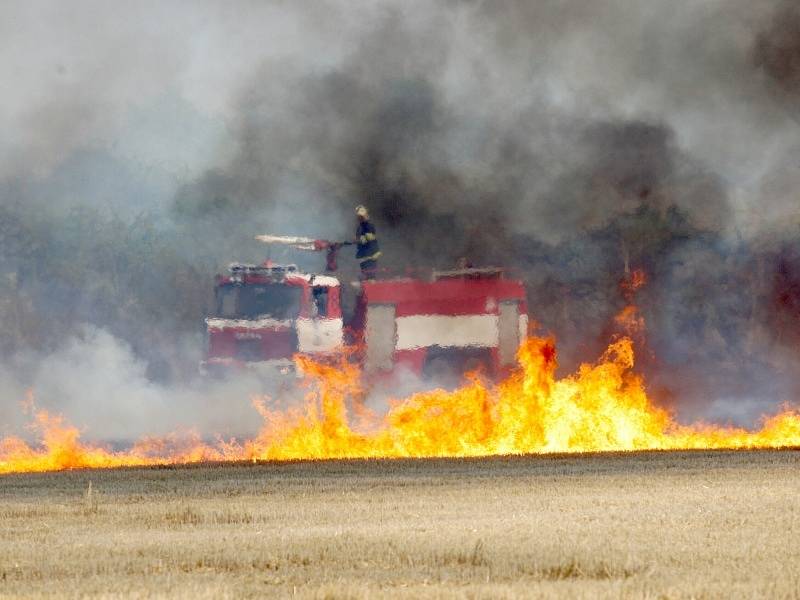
<point x="657" y="524"/>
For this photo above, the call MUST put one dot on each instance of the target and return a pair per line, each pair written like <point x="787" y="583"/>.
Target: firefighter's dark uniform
<point x="367" y="250"/>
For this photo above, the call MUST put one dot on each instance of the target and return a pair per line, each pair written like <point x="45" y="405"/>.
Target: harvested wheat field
<point x="643" y="525"/>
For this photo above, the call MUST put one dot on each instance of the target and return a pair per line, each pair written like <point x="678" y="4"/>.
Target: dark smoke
<point x="777" y="49"/>
<point x="570" y="142"/>
<point x="784" y="315"/>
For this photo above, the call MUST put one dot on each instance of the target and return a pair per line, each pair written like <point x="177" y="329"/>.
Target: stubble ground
<point x="643" y="525"/>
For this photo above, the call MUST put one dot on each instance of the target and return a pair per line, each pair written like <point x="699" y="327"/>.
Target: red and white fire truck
<point x="450" y="321"/>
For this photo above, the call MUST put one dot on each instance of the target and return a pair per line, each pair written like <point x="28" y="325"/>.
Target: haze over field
<point x="145" y="145"/>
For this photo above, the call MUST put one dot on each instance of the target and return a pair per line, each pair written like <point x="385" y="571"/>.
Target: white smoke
<point x="97" y="383"/>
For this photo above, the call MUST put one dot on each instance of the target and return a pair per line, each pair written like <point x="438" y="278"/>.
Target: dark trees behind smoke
<point x="82" y="267"/>
<point x="484" y="164"/>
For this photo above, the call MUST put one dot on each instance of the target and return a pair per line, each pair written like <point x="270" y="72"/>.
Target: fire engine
<point x="448" y="321"/>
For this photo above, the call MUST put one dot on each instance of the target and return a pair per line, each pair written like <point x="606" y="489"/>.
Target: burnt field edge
<point x="617" y="460"/>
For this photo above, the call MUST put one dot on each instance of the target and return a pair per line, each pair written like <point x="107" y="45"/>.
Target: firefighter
<point x="367" y="249"/>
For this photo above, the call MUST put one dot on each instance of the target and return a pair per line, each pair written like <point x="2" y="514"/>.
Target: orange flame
<point x="633" y="281"/>
<point x="602" y="407"/>
<point x="630" y="319"/>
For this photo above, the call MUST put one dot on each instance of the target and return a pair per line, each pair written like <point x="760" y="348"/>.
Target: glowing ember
<point x="602" y="407"/>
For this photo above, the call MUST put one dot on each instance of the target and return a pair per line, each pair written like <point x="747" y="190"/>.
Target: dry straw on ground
<point x="649" y="525"/>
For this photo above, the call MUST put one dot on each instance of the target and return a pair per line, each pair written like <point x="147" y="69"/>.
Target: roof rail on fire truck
<point x="470" y="273"/>
<point x="243" y="269"/>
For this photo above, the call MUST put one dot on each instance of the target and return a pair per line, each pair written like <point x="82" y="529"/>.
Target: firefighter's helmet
<point x="361" y="211"/>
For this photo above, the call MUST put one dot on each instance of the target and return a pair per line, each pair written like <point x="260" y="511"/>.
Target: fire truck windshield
<point x="275" y="300"/>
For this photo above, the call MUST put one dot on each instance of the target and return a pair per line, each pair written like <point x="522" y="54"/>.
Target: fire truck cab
<point x="265" y="314"/>
<point x="451" y="321"/>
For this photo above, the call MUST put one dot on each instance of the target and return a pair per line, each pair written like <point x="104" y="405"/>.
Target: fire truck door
<point x="508" y="341"/>
<point x="380" y="337"/>
<point x="320" y="332"/>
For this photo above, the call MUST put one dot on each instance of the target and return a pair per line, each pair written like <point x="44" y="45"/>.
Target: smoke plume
<point x="570" y="142"/>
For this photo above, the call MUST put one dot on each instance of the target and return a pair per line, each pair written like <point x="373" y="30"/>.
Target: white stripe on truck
<point x="420" y="331"/>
